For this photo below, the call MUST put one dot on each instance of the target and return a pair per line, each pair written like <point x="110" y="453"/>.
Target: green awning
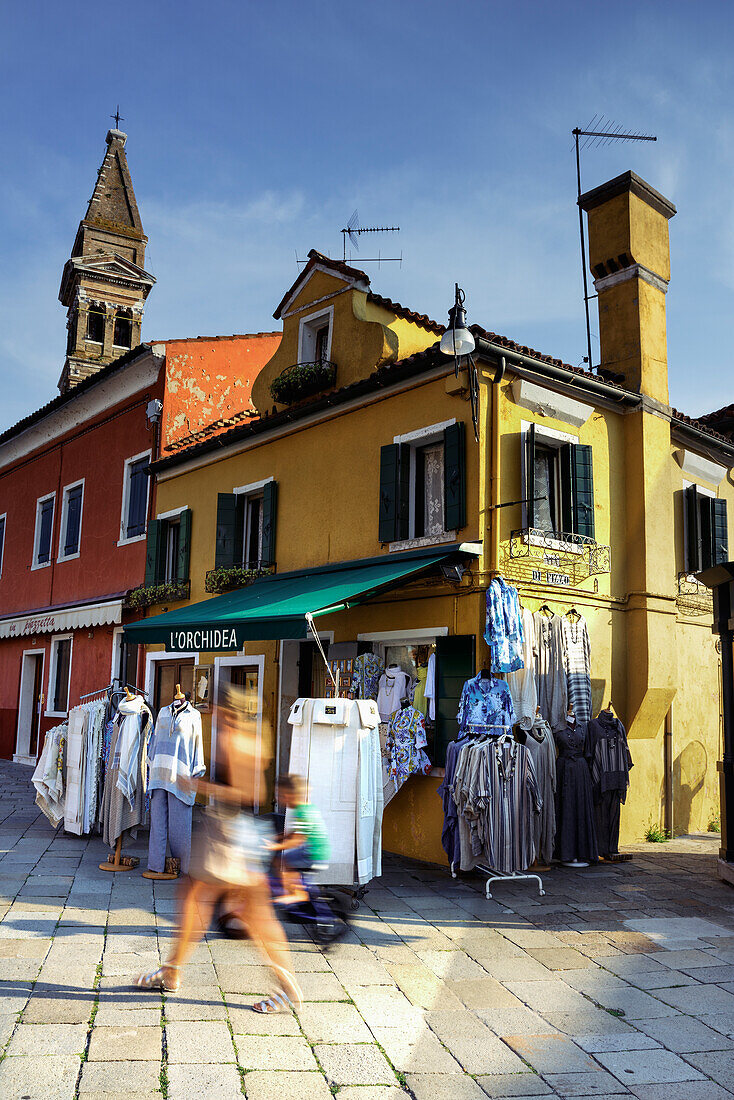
<point x="276" y="607"/>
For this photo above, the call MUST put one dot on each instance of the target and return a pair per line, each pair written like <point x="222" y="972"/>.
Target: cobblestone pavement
<point x="619" y="982"/>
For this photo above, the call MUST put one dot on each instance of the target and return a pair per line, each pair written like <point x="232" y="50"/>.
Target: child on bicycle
<point x="306" y="845"/>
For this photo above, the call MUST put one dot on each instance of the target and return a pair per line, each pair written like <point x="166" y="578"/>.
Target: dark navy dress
<point x="575" y="826"/>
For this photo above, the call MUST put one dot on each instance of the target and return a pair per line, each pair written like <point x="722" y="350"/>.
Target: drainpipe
<point x="668" y="764"/>
<point x="494" y="473"/>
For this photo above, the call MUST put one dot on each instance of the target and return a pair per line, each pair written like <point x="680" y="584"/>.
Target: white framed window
<point x="59" y="676"/>
<point x="172" y="537"/>
<point x="314" y="336"/>
<point x="549" y="483"/>
<point x="424" y="451"/>
<point x="70" y="528"/>
<point x="249" y="519"/>
<point x="3" y="522"/>
<point x="45" y="507"/>
<point x="135" y="490"/>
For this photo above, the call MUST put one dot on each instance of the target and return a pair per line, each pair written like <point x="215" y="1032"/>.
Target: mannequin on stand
<point x="176" y="759"/>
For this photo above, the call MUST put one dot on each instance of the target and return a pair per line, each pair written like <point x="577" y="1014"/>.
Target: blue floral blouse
<point x="503" y="631"/>
<point x="484" y="705"/>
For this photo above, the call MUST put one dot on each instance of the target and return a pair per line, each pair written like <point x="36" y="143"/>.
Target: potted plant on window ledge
<point x="167" y="592"/>
<point x="227" y="577"/>
<point x="302" y="380"/>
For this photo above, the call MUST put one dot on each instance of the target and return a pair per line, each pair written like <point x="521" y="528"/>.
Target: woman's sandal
<point x="281" y="1001"/>
<point x="276" y="1002"/>
<point x="158" y="979"/>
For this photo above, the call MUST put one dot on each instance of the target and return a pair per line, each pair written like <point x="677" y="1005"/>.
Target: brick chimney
<point x="629" y="257"/>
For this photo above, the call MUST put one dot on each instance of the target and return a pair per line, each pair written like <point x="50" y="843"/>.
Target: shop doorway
<point x="246" y="673"/>
<point x="30" y="707"/>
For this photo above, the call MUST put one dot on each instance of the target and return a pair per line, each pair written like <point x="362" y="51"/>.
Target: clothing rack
<point x="492" y="875"/>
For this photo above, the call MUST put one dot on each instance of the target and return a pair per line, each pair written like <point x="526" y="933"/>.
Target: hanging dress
<point x="522" y="683"/>
<point x="577" y="665"/>
<point x="575" y="825"/>
<point x="541" y="746"/>
<point x="550" y="674"/>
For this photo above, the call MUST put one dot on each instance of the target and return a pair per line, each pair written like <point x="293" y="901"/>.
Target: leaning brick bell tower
<point x="104" y="285"/>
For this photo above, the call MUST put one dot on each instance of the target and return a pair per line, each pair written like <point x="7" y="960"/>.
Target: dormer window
<point x="96" y="323"/>
<point x="314" y="343"/>
<point x="123" y="333"/>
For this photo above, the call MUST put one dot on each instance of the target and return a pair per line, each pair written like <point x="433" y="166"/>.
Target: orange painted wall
<point x="209" y="378"/>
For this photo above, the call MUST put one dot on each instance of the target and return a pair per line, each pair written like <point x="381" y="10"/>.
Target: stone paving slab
<point x="648" y="1067"/>
<point x="356" y="1064"/>
<point x="196" y="1081"/>
<point x="428" y="1086"/>
<point x="263" y="1053"/>
<point x="292" y="1086"/>
<point x="189" y="1042"/>
<point x="106" y="1077"/>
<point x="51" y="1078"/>
<point x="515" y="1084"/>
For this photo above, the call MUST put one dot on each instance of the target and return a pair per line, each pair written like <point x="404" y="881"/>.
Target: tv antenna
<point x="354" y="232"/>
<point x="600" y="131"/>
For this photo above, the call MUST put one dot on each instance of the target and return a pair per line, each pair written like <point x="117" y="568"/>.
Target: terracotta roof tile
<point x="409" y="315"/>
<point x="700" y="423"/>
<point x="217" y="427"/>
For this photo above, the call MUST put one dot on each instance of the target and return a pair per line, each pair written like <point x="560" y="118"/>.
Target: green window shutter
<point x="154" y="552"/>
<point x="693" y="531"/>
<point x="577" y="489"/>
<point x="227" y="531"/>
<point x="270" y="508"/>
<point x="454" y="665"/>
<point x="530" y="491"/>
<point x="184" y="546"/>
<point x="454" y="477"/>
<point x="389" y="492"/>
<point x="720" y="527"/>
<point x="404" y="454"/>
<point x="583" y="490"/>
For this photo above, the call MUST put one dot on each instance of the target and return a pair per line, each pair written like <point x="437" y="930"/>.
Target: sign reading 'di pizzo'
<point x="205" y="639"/>
<point x="562" y="580"/>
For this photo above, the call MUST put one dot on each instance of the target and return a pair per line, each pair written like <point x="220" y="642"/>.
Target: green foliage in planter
<point x="157" y="593"/>
<point x="300" y="380"/>
<point x="227" y="577"/>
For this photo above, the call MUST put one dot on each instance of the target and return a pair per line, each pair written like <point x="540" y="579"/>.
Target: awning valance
<point x="276" y="607"/>
<point x="55" y="620"/>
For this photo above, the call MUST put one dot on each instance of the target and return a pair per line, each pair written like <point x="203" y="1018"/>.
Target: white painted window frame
<point x="254" y="489"/>
<point x="239" y="661"/>
<point x="37" y="536"/>
<point x="423" y="437"/>
<point x="551" y="437"/>
<point x="123" y="539"/>
<point x="172" y="513"/>
<point x="64" y="516"/>
<point x="307" y="328"/>
<point x="4" y="517"/>
<point x="53" y="658"/>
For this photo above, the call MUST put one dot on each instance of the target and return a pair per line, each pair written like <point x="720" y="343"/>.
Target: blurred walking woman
<point x="229" y="857"/>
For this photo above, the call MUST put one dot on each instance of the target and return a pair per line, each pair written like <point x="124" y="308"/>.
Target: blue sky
<point x="255" y="129"/>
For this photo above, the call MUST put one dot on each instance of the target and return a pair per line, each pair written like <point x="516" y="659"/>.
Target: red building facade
<point x="75" y="500"/>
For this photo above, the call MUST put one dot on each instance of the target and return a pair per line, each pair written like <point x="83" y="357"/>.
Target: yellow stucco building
<point x="362" y="478"/>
